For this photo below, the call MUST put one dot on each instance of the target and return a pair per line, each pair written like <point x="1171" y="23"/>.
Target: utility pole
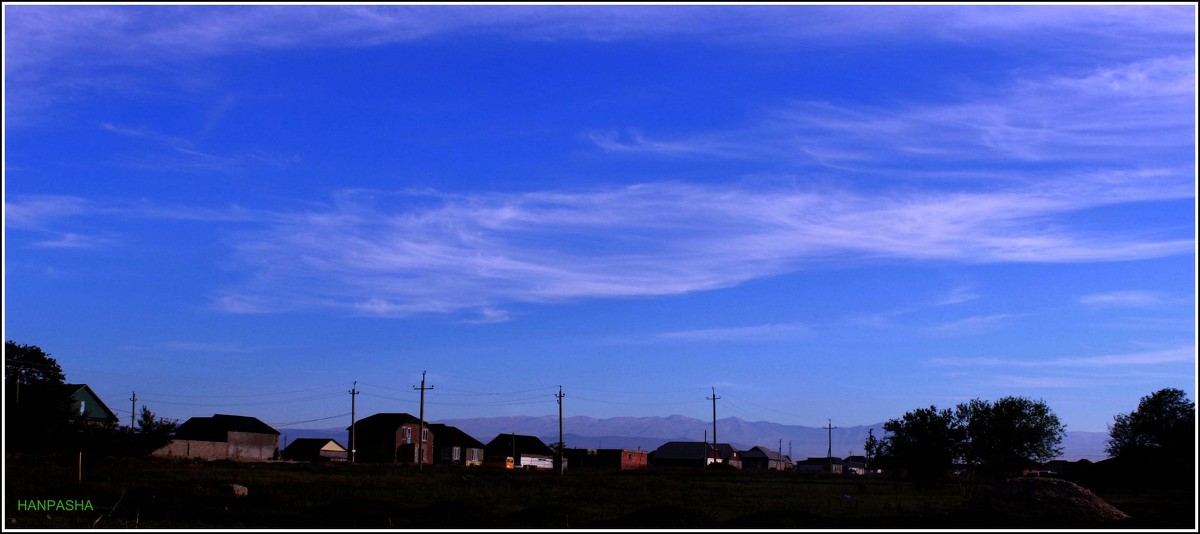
<point x="353" y="394"/>
<point x="133" y="410"/>
<point x="560" y="396"/>
<point x="421" y="431"/>
<point x="780" y="465"/>
<point x="829" y="452"/>
<point x="714" y="398"/>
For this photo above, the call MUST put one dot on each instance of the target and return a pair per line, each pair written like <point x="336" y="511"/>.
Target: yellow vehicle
<point x="497" y="462"/>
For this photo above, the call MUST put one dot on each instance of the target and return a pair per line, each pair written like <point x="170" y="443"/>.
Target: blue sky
<point x="824" y="212"/>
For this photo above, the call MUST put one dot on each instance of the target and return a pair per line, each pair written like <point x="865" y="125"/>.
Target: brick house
<point x="392" y="438"/>
<point x="456" y="447"/>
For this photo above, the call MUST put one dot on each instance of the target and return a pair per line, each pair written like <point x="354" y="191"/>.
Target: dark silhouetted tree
<point x="29" y="365"/>
<point x="153" y="433"/>
<point x="36" y="417"/>
<point x="925" y="442"/>
<point x="1004" y="437"/>
<point x="1164" y="425"/>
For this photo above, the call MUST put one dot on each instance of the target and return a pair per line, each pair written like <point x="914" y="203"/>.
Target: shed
<point x="223" y="437"/>
<point x="821" y="464"/>
<point x="694" y="454"/>
<point x="527" y="452"/>
<point x="606" y="459"/>
<point x="315" y="450"/>
<point x="760" y="458"/>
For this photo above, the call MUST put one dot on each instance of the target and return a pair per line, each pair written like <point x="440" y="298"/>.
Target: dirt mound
<point x="1040" y="502"/>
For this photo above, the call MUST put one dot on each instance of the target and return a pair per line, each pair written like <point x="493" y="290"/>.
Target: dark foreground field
<point x="158" y="494"/>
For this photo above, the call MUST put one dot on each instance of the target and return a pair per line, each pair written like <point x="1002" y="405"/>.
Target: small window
<point x="407" y="433"/>
<point x="424" y="434"/>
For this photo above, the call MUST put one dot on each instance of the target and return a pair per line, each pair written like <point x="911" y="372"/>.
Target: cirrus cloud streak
<point x="394" y="254"/>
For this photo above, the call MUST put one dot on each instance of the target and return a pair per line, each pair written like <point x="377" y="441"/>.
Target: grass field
<point x="160" y="494"/>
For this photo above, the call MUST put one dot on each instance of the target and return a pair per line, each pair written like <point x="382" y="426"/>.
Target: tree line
<point x="987" y="439"/>
<point x="1001" y="439"/>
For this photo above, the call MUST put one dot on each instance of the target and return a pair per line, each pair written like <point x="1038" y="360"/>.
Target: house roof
<point x="92" y="406"/>
<point x="386" y="422"/>
<point x="451" y="436"/>
<point x="308" y="447"/>
<point x="506" y="443"/>
<point x="814" y="460"/>
<point x="759" y="451"/>
<point x="217" y="427"/>
<point x="690" y="450"/>
<point x="78" y="391"/>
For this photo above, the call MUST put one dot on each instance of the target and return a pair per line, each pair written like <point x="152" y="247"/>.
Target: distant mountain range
<point x="648" y="433"/>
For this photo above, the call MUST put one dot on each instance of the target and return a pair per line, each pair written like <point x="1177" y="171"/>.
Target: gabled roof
<point x="79" y="392"/>
<point x="504" y="443"/>
<point x="759" y="451"/>
<point x="821" y="460"/>
<point x="309" y="447"/>
<point x="217" y="427"/>
<point x="692" y="450"/>
<point x="386" y="422"/>
<point x="91" y="405"/>
<point x="451" y="436"/>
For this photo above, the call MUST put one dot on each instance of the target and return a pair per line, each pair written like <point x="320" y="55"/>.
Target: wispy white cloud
<point x="394" y="254"/>
<point x="36" y="212"/>
<point x="1109" y="115"/>
<point x="175" y="153"/>
<point x="1124" y="299"/>
<point x="186" y="346"/>
<point x="970" y="325"/>
<point x="73" y="240"/>
<point x="757" y="333"/>
<point x="1132" y="359"/>
<point x="958" y="295"/>
<point x="58" y="50"/>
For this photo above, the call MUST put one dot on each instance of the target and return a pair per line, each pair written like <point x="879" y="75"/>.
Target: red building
<point x="392" y="438"/>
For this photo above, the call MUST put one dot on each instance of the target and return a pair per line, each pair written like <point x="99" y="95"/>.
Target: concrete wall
<point x="190" y="448"/>
<point x="243" y="446"/>
<point x="251" y="446"/>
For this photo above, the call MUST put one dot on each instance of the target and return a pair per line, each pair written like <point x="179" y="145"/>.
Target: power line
<point x="309" y="420"/>
<point x="267" y="394"/>
<point x="261" y="403"/>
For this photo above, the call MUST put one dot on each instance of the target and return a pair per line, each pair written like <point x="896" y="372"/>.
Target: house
<point x="315" y="450"/>
<point x="606" y="459"/>
<point x="694" y="454"/>
<point x="392" y="438"/>
<point x="526" y="452"/>
<point x="854" y="465"/>
<point x="456" y="447"/>
<point x="223" y="437"/>
<point x="761" y="458"/>
<point x="821" y="464"/>
<point x="77" y="401"/>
